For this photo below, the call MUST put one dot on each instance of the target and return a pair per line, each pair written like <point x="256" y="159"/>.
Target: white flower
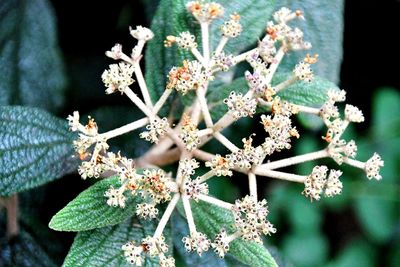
<point x="336" y="96"/>
<point x="73" y="121"/>
<point x="333" y="184"/>
<point x="241" y="106"/>
<point x="267" y="49"/>
<point x="350" y="150"/>
<point x="280" y="130"/>
<point x="190" y="76"/>
<point x="255" y="82"/>
<point x="315" y="183"/>
<point x="155" y="183"/>
<point x="187" y="167"/>
<point x="196" y="242"/>
<point x="303" y="72"/>
<point x="189" y="133"/>
<point x="205" y="12"/>
<point x="281" y="15"/>
<point x="295" y="41"/>
<point x="115" y="197"/>
<point x="146" y="211"/>
<point x="221" y="243"/>
<point x="249" y="215"/>
<point x="83" y="143"/>
<point x="223" y="61"/>
<point x="220" y="165"/>
<point x="118" y="77"/>
<point x="353" y="114"/>
<point x="231" y="28"/>
<point x="373" y="167"/>
<point x="329" y="110"/>
<point x="166" y="261"/>
<point x="154" y="246"/>
<point x="115" y="53"/>
<point x="246" y="157"/>
<point x="141" y="33"/>
<point x="186" y="40"/>
<point x="156" y="129"/>
<point x="193" y="188"/>
<point x="133" y="254"/>
<point x="90" y="169"/>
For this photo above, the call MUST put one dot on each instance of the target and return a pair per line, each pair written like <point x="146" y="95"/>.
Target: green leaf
<point x="323" y="27"/>
<point x="23" y="250"/>
<point x="36" y="148"/>
<point x="102" y="247"/>
<point x="304" y="93"/>
<point x="31" y="68"/>
<point x="89" y="209"/>
<point x="172" y="18"/>
<point x="210" y="219"/>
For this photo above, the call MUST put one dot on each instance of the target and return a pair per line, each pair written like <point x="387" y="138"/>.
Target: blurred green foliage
<point x="361" y="226"/>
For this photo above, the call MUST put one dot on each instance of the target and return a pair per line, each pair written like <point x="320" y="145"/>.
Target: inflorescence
<point x="155" y="186"/>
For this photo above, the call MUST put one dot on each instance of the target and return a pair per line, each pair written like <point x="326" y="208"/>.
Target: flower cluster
<point x="194" y="187"/>
<point x="196" y="242"/>
<point x="205" y="12"/>
<point x="317" y="183"/>
<point x="156" y="129"/>
<point x="251" y="219"/>
<point x="246" y="157"/>
<point x="232" y="27"/>
<point x="241" y="106"/>
<point x="221" y="243"/>
<point x="181" y="141"/>
<point x="189" y="133"/>
<point x="118" y="77"/>
<point x="190" y="76"/>
<point x="373" y="166"/>
<point x="153" y="246"/>
<point x="221" y="166"/>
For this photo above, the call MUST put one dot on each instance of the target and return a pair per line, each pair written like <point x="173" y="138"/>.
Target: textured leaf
<point x="102" y="247"/>
<point x="303" y="93"/>
<point x="35" y="148"/>
<point x="210" y="219"/>
<point x="31" y="69"/>
<point x="23" y="250"/>
<point x="89" y="209"/>
<point x="323" y="27"/>
<point x="172" y="18"/>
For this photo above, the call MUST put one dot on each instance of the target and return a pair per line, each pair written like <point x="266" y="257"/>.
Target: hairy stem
<point x="253" y="185"/>
<point x="293" y="160"/>
<point x="189" y="215"/>
<point x="281" y="175"/>
<point x="125" y="129"/>
<point x="167" y="214"/>
<point x="11" y="205"/>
